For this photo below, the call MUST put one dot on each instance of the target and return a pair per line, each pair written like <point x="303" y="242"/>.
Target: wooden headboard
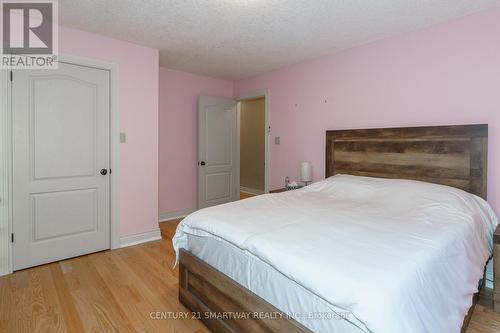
<point x="448" y="155"/>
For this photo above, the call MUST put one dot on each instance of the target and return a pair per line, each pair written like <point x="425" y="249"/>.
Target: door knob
<point x="202" y="163"/>
<point x="104" y="172"/>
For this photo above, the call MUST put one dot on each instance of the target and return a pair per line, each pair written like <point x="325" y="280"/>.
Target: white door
<point x="61" y="160"/>
<point x="218" y="151"/>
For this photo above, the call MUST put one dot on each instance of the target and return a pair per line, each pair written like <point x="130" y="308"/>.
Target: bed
<point x="357" y="252"/>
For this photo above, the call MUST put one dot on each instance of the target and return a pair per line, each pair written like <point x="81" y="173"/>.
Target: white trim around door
<point x="266" y="95"/>
<point x="6" y="223"/>
<point x="5" y="172"/>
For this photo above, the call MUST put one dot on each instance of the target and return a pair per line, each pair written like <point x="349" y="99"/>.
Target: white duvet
<point x="401" y="256"/>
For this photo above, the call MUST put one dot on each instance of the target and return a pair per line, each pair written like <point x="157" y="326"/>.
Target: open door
<point x="218" y="151"/>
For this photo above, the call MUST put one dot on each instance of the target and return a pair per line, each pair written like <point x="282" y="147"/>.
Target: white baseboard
<point x="139" y="238"/>
<point x="251" y="190"/>
<point x="167" y="216"/>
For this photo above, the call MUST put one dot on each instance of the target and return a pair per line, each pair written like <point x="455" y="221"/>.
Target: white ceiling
<point x="234" y="39"/>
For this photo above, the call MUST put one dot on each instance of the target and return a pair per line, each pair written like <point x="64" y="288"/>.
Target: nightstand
<point x="496" y="270"/>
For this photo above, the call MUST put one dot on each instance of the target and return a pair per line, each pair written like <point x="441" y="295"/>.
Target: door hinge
<point x="11" y="76"/>
<point x="12" y="237"/>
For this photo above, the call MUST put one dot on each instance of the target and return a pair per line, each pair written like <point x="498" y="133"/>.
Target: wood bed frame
<point x="448" y="155"/>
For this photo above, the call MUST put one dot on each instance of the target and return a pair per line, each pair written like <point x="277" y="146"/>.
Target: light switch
<point x="123" y="137"/>
<point x="277" y="140"/>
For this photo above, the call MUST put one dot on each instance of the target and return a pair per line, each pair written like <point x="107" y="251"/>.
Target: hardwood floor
<point x="117" y="291"/>
<point x="244" y="195"/>
<point x="110" y="291"/>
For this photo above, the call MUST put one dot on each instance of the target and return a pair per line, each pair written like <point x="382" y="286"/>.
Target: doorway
<point x="219" y="151"/>
<point x="252" y="147"/>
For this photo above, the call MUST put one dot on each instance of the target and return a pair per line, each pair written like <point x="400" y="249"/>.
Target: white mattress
<point x="278" y="290"/>
<point x="401" y="256"/>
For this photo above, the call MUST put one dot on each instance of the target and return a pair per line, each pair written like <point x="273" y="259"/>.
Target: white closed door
<point x="218" y="151"/>
<point x="61" y="159"/>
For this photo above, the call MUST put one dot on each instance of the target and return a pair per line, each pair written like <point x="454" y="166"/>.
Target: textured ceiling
<point x="234" y="39"/>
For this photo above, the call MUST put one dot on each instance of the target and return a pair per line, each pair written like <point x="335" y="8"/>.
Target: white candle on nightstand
<point x="306" y="172"/>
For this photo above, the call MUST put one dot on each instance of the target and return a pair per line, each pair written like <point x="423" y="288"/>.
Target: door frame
<point x="252" y="95"/>
<point x="6" y="144"/>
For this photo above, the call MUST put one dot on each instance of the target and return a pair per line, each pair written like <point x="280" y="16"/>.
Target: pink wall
<point x="138" y="75"/>
<point x="138" y="68"/>
<point x="447" y="74"/>
<point x="179" y="93"/>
